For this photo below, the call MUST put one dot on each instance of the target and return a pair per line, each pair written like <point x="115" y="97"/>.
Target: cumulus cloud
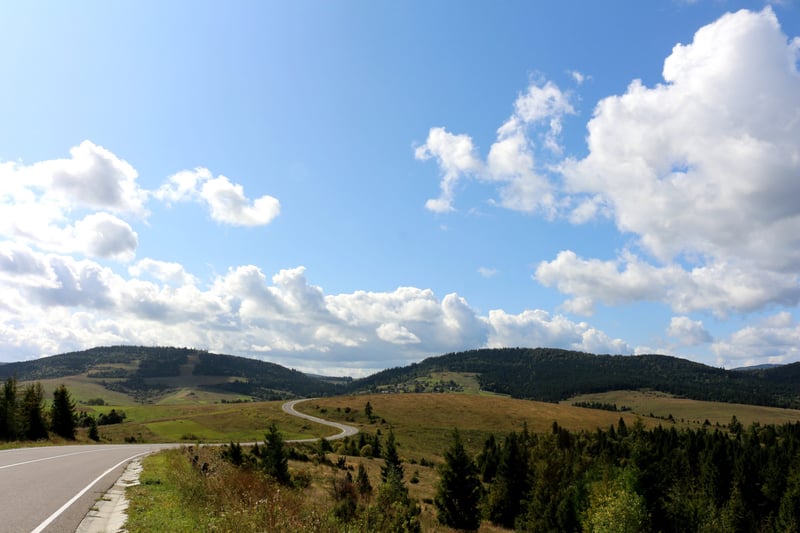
<point x="39" y="203"/>
<point x="226" y="201"/>
<point x="104" y="235"/>
<point x="456" y="156"/>
<point x="688" y="332"/>
<point x="775" y="339"/>
<point x="703" y="170"/>
<point x="92" y="177"/>
<point x="719" y="287"/>
<point x="510" y="162"/>
<point x="539" y="328"/>
<point x="706" y="163"/>
<point x="168" y="272"/>
<point x="64" y="304"/>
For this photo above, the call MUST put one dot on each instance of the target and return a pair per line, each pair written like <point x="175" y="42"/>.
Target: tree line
<point x="627" y="480"/>
<point x="25" y="416"/>
<point x="552" y="375"/>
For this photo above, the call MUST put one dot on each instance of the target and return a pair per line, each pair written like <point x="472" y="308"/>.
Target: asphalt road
<point x="51" y="488"/>
<point x="344" y="429"/>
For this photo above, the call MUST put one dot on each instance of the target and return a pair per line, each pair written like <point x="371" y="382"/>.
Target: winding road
<point x="344" y="429"/>
<point x="50" y="489"/>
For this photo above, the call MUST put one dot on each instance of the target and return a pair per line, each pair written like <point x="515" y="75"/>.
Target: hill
<point x="552" y="375"/>
<point x="545" y="374"/>
<point x="145" y="373"/>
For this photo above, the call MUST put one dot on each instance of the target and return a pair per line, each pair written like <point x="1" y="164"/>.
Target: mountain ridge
<point x="546" y="374"/>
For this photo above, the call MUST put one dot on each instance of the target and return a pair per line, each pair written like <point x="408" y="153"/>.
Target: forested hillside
<point x="144" y="372"/>
<point x="551" y="375"/>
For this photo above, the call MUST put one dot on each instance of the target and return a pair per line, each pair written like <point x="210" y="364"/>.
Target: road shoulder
<point x="109" y="514"/>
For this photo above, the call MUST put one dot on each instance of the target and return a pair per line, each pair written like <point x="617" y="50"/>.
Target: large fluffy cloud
<point x="707" y="162"/>
<point x="38" y="203"/>
<point x="704" y="169"/>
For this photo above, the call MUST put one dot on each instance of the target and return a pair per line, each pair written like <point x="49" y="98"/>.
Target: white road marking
<point x="47" y="458"/>
<point x="64" y="507"/>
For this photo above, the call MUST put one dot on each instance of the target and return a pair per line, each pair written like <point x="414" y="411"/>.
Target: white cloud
<point x="774" y="340"/>
<point x="38" y="203"/>
<point x="93" y="177"/>
<point x="706" y="163"/>
<point x="703" y="170"/>
<point x="53" y="303"/>
<point x="167" y="272"/>
<point x="538" y="328"/>
<point x="21" y="266"/>
<point x="594" y="280"/>
<point x="689" y="332"/>
<point x="487" y="272"/>
<point x="718" y="287"/>
<point x="230" y="206"/>
<point x="579" y="77"/>
<point x="226" y="200"/>
<point x="456" y="157"/>
<point x="104" y="235"/>
<point x="396" y="334"/>
<point x="510" y="162"/>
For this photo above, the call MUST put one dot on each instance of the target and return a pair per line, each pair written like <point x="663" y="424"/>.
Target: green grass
<point x="156" y="504"/>
<point x="422" y="422"/>
<point x="690" y="413"/>
<point x="245" y="422"/>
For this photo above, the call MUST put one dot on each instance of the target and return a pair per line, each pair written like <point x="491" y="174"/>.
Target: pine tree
<point x="93" y="433"/>
<point x="362" y="482"/>
<point x="62" y="413"/>
<point x="275" y="462"/>
<point x="489" y="459"/>
<point x="391" y="459"/>
<point x="32" y="412"/>
<point x="510" y="484"/>
<point x="459" y="491"/>
<point x="8" y="410"/>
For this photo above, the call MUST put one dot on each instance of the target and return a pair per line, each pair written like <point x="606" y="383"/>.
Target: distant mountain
<point x="146" y="372"/>
<point x="754" y="367"/>
<point x="552" y="375"/>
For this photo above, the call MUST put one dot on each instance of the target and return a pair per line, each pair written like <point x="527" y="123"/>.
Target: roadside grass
<point x="689" y="413"/>
<point x="173" y="495"/>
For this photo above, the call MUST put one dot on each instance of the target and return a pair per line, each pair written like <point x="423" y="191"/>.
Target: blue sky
<point x="342" y="187"/>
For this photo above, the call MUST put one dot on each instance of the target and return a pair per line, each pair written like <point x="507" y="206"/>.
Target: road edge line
<point x="72" y="500"/>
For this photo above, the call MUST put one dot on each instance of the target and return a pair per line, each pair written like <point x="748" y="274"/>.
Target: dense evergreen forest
<point x="633" y="479"/>
<point x="551" y="375"/>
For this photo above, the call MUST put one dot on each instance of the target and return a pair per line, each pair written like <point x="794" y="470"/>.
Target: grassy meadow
<point x="230" y="499"/>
